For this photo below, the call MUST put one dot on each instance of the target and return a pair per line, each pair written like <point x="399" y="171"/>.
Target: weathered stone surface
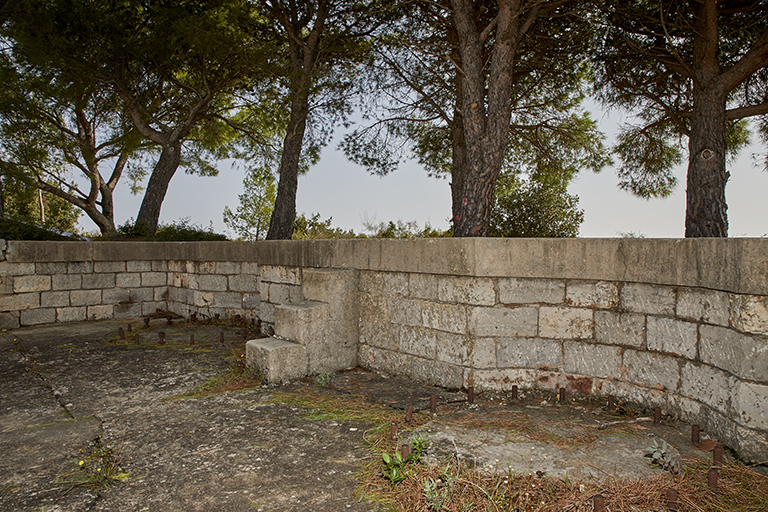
<point x="466" y="290"/>
<point x="444" y="317"/>
<point x="422" y="286"/>
<point x="750" y="403"/>
<point x="38" y="316"/>
<point x="707" y="306"/>
<point x="529" y="353"/>
<point x="130" y="310"/>
<point x="228" y="300"/>
<point x="708" y="385"/>
<point x="150" y="279"/>
<point x="85" y="297"/>
<point x="6" y="285"/>
<point x="54" y="299"/>
<point x="26" y="284"/>
<point x="141" y="294"/>
<point x="655" y="371"/>
<point x="432" y="372"/>
<point x="75" y="314"/>
<point x="395" y="283"/>
<point x="50" y="268"/>
<point x="601" y="294"/>
<point x="484" y="353"/>
<point x="565" y="323"/>
<point x="275" y="274"/>
<point x="504" y="379"/>
<point x="9" y="320"/>
<point x="743" y="355"/>
<point x="404" y="311"/>
<point x="228" y="267"/>
<point x="626" y="329"/>
<point x="649" y="299"/>
<point x="115" y="295"/>
<point x="19" y="301"/>
<point x="278" y="360"/>
<point x="417" y="341"/>
<point x="267" y="312"/>
<point x="591" y="360"/>
<point x="66" y="282"/>
<point x="80" y="267"/>
<point x="531" y="291"/>
<point x="109" y="266"/>
<point x="16" y="269"/>
<point x="750" y="314"/>
<point x="138" y="266"/>
<point x="453" y="348"/>
<point x="128" y="280"/>
<point x="251" y="301"/>
<point x="242" y="283"/>
<point x="278" y="293"/>
<point x="203" y="299"/>
<point x="98" y="281"/>
<point x="500" y="321"/>
<point x="673" y="336"/>
<point x="159" y="266"/>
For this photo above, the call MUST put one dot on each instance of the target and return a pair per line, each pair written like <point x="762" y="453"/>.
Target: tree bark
<point x="166" y="166"/>
<point x="706" y="208"/>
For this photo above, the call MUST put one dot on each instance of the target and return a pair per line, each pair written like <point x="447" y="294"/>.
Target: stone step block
<point x="278" y="360"/>
<point x="301" y="322"/>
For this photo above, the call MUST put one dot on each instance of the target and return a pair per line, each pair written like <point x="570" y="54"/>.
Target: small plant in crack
<point x="396" y="466"/>
<point x="661" y="455"/>
<point x="98" y="468"/>
<point x="438" y="492"/>
<point x="324" y="380"/>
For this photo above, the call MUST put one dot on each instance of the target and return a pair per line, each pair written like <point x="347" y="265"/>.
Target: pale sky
<point x="340" y="189"/>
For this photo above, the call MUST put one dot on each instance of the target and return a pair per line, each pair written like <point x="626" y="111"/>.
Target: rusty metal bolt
<point x="471" y="395"/>
<point x="393" y="431"/>
<point x="221" y="337"/>
<point x="121" y="333"/>
<point x="672" y="500"/>
<point x="717" y="456"/>
<point x="432" y="404"/>
<point x="599" y="503"/>
<point x="191" y="340"/>
<point x="695" y="434"/>
<point x="712" y="479"/>
<point x="656" y="415"/>
<point x="409" y="414"/>
<point x="405" y="450"/>
<point x="611" y="403"/>
<point x="146" y="322"/>
<point x="161" y="335"/>
<point x="130" y="328"/>
<point x="514" y="392"/>
<point x="561" y="395"/>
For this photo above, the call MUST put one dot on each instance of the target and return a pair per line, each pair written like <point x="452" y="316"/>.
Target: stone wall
<point x="680" y="324"/>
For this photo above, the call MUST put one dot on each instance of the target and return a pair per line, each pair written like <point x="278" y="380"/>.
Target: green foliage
<point x="439" y="492"/>
<point x="661" y="455"/>
<point x="98" y="469"/>
<point x="533" y="209"/>
<point x="251" y="219"/>
<point x="11" y="229"/>
<point x="181" y="231"/>
<point x="306" y="228"/>
<point x="402" y="229"/>
<point x="396" y="467"/>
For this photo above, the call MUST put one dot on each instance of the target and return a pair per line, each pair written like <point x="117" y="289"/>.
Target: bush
<point x="181" y="231"/>
<point x="11" y="229"/>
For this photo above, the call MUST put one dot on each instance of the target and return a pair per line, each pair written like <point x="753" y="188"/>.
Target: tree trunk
<point x="284" y="214"/>
<point x="149" y="213"/>
<point x="705" y="214"/>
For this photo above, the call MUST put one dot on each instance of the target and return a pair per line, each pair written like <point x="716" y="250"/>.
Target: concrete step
<point x="301" y="322"/>
<point x="277" y="359"/>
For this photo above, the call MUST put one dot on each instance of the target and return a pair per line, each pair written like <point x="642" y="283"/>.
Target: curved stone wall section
<point x="701" y="355"/>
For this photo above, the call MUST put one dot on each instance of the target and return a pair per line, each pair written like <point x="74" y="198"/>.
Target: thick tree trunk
<point x="167" y="164"/>
<point x="284" y="213"/>
<point x="705" y="214"/>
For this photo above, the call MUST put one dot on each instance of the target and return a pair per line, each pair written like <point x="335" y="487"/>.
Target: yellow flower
<point x="98" y="470"/>
<point x="82" y="462"/>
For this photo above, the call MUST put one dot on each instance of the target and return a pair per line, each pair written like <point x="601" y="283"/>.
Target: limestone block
<point x="202" y="267"/>
<point x="149" y="308"/>
<point x="181" y="295"/>
<point x="405" y="311"/>
<point x="6" y="285"/>
<point x="38" y="316"/>
<point x="228" y="267"/>
<point x="371" y="282"/>
<point x="54" y="299"/>
<point x="80" y="267"/>
<point x="373" y="308"/>
<point x="278" y="293"/>
<point x="242" y="283"/>
<point x="300" y="322"/>
<point x="159" y="293"/>
<point x="286" y="275"/>
<point x="26" y="284"/>
<point x="128" y="310"/>
<point x="251" y="302"/>
<point x="502" y="321"/>
<point x="202" y="299"/>
<point x="434" y="373"/>
<point x="750" y="314"/>
<point x="601" y="294"/>
<point x="751" y="404"/>
<point x="627" y="329"/>
<point x="601" y="361"/>
<point x="138" y="266"/>
<point x="531" y="291"/>
<point x="179" y="280"/>
<point x="278" y="360"/>
<point x="444" y="317"/>
<point x="706" y="306"/>
<point x="651" y="370"/>
<point x="250" y="268"/>
<point x="377" y="334"/>
<point x="232" y="300"/>
<point x="108" y="266"/>
<point x="151" y="279"/>
<point x="673" y="336"/>
<point x="16" y="269"/>
<point x="142" y="294"/>
<point x="707" y="385"/>
<point x="267" y="312"/>
<point x="177" y="266"/>
<point x="453" y="348"/>
<point x="751" y="445"/>
<point x="504" y="379"/>
<point x="19" y="301"/>
<point x="422" y="286"/>
<point x="395" y="283"/>
<point x="77" y="314"/>
<point x="50" y="268"/>
<point x="100" y="312"/>
<point x="159" y="266"/>
<point x="483" y="353"/>
<point x="565" y="323"/>
<point x="417" y="341"/>
<point x="98" y="281"/>
<point x="740" y="354"/>
<point x="9" y="320"/>
<point x="128" y="280"/>
<point x="649" y="299"/>
<point x="529" y="353"/>
<point x="466" y="290"/>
